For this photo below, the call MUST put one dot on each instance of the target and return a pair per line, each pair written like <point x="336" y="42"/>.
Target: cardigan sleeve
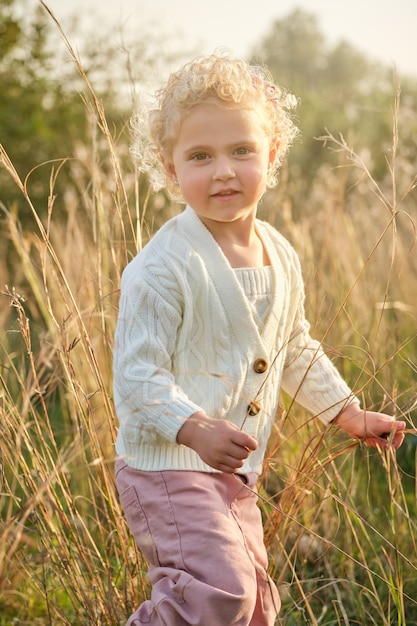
<point x="148" y="402"/>
<point x="309" y="376"/>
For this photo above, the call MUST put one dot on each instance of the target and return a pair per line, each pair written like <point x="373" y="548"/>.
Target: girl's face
<point x="220" y="160"/>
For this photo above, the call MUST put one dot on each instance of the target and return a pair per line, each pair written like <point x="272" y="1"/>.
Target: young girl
<point x="211" y="326"/>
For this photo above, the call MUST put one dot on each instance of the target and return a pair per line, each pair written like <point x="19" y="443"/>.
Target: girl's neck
<point x="253" y="255"/>
<point x="241" y="246"/>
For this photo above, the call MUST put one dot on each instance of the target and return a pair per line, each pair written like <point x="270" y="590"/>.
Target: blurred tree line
<point x="342" y="90"/>
<point x="41" y="116"/>
<point x="43" y="110"/>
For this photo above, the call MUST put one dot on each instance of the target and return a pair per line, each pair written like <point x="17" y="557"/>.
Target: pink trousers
<point x="202" y="536"/>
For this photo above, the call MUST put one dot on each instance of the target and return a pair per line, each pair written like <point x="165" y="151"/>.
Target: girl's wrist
<point x="192" y="425"/>
<point x="348" y="418"/>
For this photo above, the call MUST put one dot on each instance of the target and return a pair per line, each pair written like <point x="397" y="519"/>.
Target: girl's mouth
<point x="225" y="193"/>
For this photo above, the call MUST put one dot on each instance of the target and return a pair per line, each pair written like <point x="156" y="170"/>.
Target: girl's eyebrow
<point x="196" y="148"/>
<point x="192" y="150"/>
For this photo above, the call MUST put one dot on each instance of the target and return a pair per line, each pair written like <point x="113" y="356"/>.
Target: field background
<point x="340" y="519"/>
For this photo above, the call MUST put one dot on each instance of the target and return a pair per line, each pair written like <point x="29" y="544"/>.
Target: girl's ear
<point x="273" y="152"/>
<point x="169" y="168"/>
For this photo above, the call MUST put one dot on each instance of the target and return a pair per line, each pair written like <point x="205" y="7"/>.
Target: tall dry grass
<point x="339" y="518"/>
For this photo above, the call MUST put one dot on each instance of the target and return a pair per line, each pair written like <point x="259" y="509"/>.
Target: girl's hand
<point x="375" y="429"/>
<point x="219" y="443"/>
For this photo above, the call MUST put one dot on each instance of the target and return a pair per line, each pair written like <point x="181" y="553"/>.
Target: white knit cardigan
<point x="186" y="341"/>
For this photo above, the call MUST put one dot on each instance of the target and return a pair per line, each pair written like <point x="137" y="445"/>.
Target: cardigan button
<point x="254" y="408"/>
<point x="260" y="366"/>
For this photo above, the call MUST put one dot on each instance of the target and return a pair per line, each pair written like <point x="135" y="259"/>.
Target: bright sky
<point x="384" y="30"/>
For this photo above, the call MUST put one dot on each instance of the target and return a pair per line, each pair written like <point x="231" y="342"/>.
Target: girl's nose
<point x="223" y="169"/>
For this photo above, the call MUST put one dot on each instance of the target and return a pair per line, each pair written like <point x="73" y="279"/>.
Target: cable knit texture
<point x="188" y="337"/>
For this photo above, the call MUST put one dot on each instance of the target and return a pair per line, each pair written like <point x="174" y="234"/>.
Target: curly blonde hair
<point x="220" y="79"/>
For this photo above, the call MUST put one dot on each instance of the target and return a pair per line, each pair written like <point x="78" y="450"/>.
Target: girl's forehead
<point x="212" y="114"/>
<point x="218" y="127"/>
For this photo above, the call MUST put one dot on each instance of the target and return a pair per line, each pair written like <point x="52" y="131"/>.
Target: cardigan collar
<point x="227" y="285"/>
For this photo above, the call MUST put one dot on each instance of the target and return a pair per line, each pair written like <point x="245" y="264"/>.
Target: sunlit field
<point x="340" y="519"/>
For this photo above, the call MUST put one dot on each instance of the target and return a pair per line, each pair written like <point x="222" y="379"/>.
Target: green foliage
<point x="40" y="120"/>
<point x="47" y="111"/>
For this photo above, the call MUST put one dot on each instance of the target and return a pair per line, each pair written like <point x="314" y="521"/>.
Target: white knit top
<point x="195" y="335"/>
<point x="257" y="286"/>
